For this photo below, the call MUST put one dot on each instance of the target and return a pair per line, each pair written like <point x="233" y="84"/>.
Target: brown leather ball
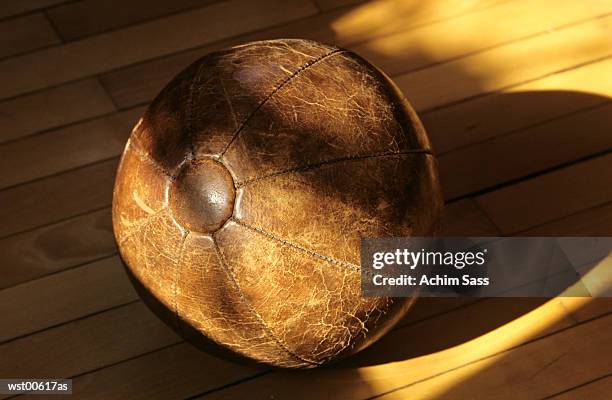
<point x="244" y="191"/>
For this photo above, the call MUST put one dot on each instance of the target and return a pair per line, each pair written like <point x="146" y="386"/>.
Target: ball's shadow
<point x="460" y="320"/>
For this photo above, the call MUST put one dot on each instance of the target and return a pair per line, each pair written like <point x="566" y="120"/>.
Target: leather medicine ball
<point x="244" y="191"/>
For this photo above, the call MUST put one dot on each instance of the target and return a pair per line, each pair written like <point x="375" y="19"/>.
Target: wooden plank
<point x="84" y="143"/>
<point x="518" y="107"/>
<point x="591" y="222"/>
<point x="551" y="196"/>
<point x="585" y="308"/>
<point x="597" y="279"/>
<point x="464" y="218"/>
<point x="376" y="19"/>
<point x="89" y="17"/>
<point x="596" y="221"/>
<point x="144" y="41"/>
<point x="389" y="9"/>
<point x="10" y="8"/>
<point x="540" y="147"/>
<point x="507" y="65"/>
<point x="58" y="298"/>
<point x="52" y="248"/>
<point x="536" y="370"/>
<point x="24" y="34"/>
<point x="598" y="389"/>
<point x="138" y="84"/>
<point x="326" y="5"/>
<point x="412" y="354"/>
<point x="86" y="344"/>
<point x="433" y="307"/>
<point x="58" y="197"/>
<point x="51" y="108"/>
<point x="409" y="50"/>
<point x="180" y="371"/>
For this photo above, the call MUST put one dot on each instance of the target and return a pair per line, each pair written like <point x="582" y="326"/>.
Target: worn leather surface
<point x="244" y="190"/>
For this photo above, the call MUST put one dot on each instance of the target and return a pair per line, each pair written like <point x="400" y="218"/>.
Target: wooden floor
<point x="515" y="94"/>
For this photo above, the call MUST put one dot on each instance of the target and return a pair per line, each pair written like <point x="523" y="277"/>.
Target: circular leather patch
<point x="202" y="196"/>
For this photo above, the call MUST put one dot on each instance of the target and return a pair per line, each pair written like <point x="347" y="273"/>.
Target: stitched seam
<point x="277" y="89"/>
<point x="177" y="274"/>
<point x="263" y="323"/>
<point x="333" y="161"/>
<point x="191" y="108"/>
<point x="296" y="246"/>
<point x="145" y="156"/>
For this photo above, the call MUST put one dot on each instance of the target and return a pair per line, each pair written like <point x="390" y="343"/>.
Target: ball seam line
<point x="145" y="156"/>
<point x="250" y="306"/>
<point x="308" y="167"/>
<point x="177" y="274"/>
<point x="296" y="246"/>
<point x="273" y="92"/>
<point x="191" y="108"/>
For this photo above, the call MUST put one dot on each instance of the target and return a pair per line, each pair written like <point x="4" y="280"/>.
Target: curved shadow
<point x="563" y="114"/>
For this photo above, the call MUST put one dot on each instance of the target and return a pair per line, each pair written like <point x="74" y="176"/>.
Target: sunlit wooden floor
<point x="514" y="93"/>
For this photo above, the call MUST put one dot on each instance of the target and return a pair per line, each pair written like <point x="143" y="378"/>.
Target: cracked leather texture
<point x="244" y="191"/>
